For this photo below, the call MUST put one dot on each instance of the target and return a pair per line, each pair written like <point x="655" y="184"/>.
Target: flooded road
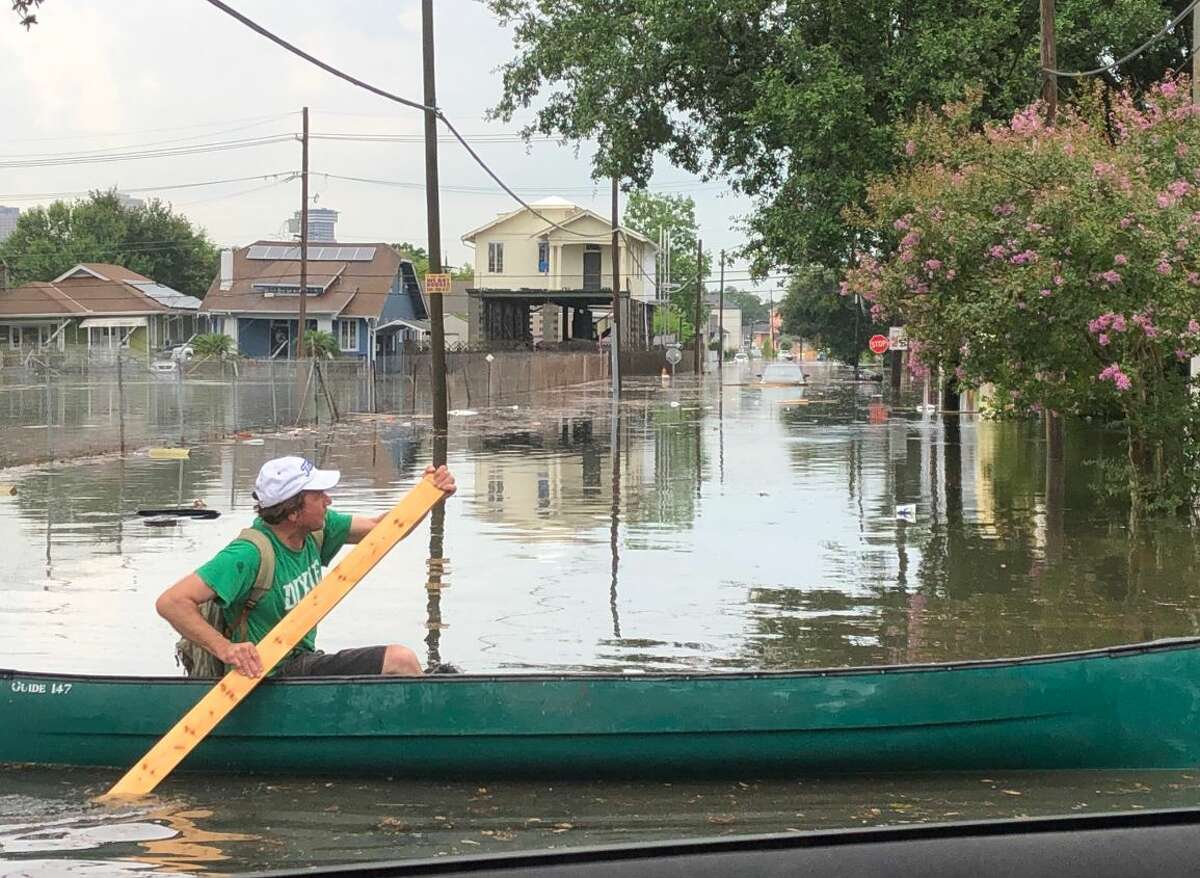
<point x="731" y="528"/>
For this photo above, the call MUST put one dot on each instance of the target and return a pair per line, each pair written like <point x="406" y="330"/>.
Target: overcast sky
<point x="98" y="74"/>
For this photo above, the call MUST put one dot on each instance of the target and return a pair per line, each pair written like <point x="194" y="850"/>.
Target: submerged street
<point x="741" y="527"/>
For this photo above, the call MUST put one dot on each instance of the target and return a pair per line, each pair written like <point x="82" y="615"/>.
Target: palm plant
<point x="212" y="344"/>
<point x="318" y="343"/>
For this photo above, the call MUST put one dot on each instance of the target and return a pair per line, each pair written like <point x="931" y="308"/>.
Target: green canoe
<point x="1135" y="707"/>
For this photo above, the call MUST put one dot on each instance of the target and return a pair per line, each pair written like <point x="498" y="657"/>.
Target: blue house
<point x="366" y="295"/>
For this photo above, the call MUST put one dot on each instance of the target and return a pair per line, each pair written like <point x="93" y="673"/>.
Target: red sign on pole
<point x="878" y="344"/>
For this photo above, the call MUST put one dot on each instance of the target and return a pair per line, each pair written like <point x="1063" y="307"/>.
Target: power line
<point x="175" y="152"/>
<point x="418" y="138"/>
<point x="82" y="136"/>
<point x="1143" y="47"/>
<point x="132" y="146"/>
<point x="679" y="185"/>
<point x="329" y="68"/>
<point x="32" y="196"/>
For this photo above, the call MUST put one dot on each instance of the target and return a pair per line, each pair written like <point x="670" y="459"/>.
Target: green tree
<point x="753" y="308"/>
<point x="1057" y="265"/>
<point x="419" y="257"/>
<point x="815" y="309"/>
<point x="212" y="344"/>
<point x="148" y="239"/>
<point x="24" y="10"/>
<point x="319" y="343"/>
<point x="650" y="214"/>
<point x="795" y="102"/>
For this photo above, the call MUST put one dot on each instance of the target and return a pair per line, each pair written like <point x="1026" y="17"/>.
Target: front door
<point x="591" y="269"/>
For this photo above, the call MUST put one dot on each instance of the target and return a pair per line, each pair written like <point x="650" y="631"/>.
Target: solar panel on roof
<point x="258" y="251"/>
<point x="364" y="254"/>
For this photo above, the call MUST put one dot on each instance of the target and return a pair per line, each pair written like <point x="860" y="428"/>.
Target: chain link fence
<point x="57" y="408"/>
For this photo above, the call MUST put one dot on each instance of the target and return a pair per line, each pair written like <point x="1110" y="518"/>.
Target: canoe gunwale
<point x="1112" y="652"/>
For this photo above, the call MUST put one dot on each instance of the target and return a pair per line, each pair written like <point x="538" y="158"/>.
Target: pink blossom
<point x="1193" y="278"/>
<point x="1181" y="245"/>
<point x="1193" y="326"/>
<point x="1181" y="149"/>
<point x="932" y="265"/>
<point x="1113" y="373"/>
<point x="1110" y="278"/>
<point x="1163" y="268"/>
<point x="910" y="148"/>
<point x="951" y="274"/>
<point x="1118" y="322"/>
<point x="1163" y="200"/>
<point x="906" y="256"/>
<point x="1059" y="280"/>
<point x="1179" y="188"/>
<point x="1168" y="89"/>
<point x="1181" y="355"/>
<point x="1047" y="293"/>
<point x="1025" y="257"/>
<point x="997" y="252"/>
<point x="912" y="239"/>
<point x="1102" y="340"/>
<point x="1020" y="306"/>
<point x="900" y="225"/>
<point x="1005" y="209"/>
<point x="1120" y="259"/>
<point x="1126" y="222"/>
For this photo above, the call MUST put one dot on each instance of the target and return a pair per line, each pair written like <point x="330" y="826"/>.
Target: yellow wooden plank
<point x="162" y="758"/>
<point x="168" y="453"/>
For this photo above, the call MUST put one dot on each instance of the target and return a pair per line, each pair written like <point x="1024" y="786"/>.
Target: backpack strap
<point x="265" y="577"/>
<point x="263" y="580"/>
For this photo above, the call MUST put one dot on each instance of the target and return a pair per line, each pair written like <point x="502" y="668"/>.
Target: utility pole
<point x="1050" y="62"/>
<point x="699" y="340"/>
<point x="1195" y="57"/>
<point x="437" y="367"/>
<point x="614" y="333"/>
<point x="721" y="321"/>
<point x="300" y="323"/>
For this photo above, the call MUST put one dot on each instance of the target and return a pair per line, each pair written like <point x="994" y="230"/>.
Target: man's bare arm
<point x="180" y="605"/>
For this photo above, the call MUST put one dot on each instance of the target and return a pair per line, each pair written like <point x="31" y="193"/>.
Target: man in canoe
<point x="303" y="534"/>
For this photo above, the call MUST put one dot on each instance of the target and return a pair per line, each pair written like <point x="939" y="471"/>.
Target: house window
<point x="544" y="256"/>
<point x="496" y="257"/>
<point x="348" y="335"/>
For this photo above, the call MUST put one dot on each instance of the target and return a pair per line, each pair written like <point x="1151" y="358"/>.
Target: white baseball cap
<point x="285" y="477"/>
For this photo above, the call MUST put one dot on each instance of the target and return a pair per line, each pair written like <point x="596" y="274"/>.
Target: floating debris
<point x="169" y="453"/>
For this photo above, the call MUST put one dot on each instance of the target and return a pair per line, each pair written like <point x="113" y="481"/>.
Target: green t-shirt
<point x="231" y="574"/>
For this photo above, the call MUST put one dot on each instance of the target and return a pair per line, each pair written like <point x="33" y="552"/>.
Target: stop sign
<point x="878" y="344"/>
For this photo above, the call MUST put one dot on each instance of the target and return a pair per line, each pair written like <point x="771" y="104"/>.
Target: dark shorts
<point x="347" y="663"/>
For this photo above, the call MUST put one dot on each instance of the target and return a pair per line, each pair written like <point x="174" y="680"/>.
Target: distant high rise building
<point x="321" y="221"/>
<point x="8" y="220"/>
<point x="129" y="201"/>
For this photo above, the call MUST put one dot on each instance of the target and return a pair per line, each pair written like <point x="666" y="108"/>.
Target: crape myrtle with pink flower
<point x="1060" y="265"/>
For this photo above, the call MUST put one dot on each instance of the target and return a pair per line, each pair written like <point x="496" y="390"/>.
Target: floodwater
<point x="735" y="527"/>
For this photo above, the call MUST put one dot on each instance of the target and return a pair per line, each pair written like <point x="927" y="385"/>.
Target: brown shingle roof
<point x="355" y="289"/>
<point x="79" y="294"/>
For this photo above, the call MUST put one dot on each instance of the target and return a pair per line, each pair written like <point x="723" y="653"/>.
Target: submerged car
<point x="740" y="357"/>
<point x="784" y="373"/>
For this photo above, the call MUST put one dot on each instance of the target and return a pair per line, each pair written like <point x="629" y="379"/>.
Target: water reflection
<point x="734" y="527"/>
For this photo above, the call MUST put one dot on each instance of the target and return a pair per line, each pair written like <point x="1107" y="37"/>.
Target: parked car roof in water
<point x="783" y="373"/>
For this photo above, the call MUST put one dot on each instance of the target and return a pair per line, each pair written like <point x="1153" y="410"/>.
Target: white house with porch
<point x="545" y="275"/>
